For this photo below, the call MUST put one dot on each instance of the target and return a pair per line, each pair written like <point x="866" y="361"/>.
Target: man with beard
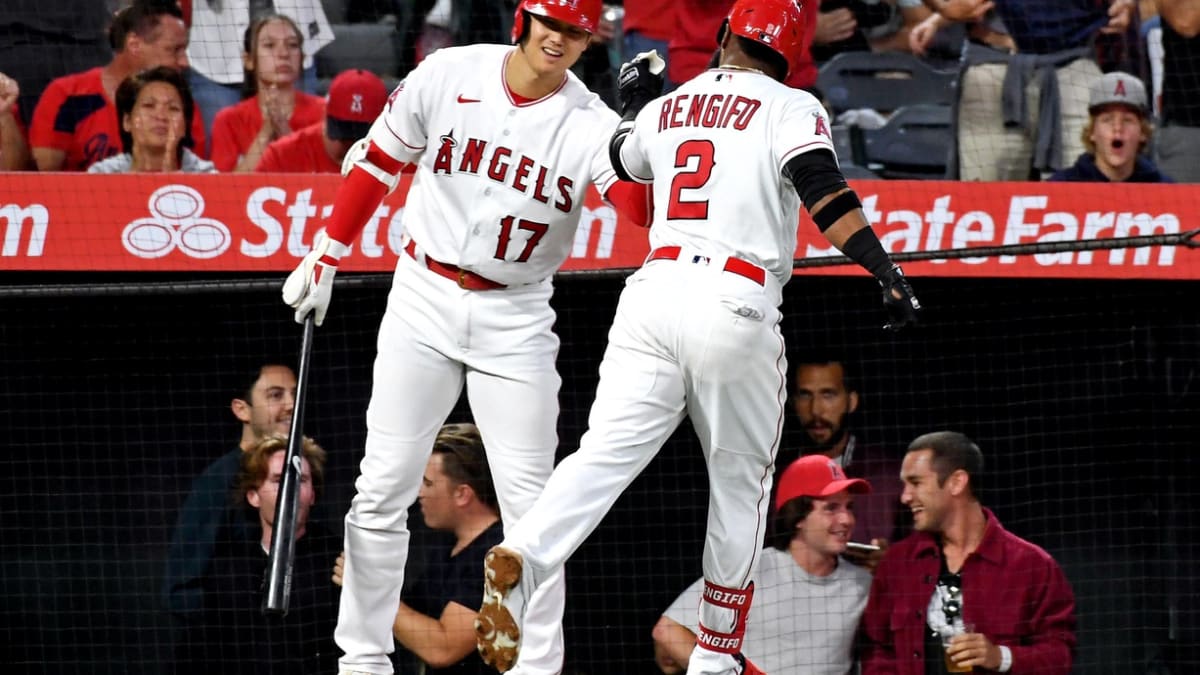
<point x="824" y="397"/>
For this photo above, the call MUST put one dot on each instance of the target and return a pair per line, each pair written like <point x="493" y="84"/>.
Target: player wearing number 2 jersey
<point x="732" y="153"/>
<point x="506" y="142"/>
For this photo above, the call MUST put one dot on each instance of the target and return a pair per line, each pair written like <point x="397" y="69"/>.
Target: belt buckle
<point x="462" y="278"/>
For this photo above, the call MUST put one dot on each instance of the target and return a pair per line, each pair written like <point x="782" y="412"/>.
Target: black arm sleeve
<point x="614" y="149"/>
<point x="815" y="175"/>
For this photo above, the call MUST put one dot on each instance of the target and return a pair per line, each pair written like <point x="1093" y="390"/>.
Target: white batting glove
<point x="654" y="61"/>
<point x="640" y="81"/>
<point x="310" y="286"/>
<point x="359" y="151"/>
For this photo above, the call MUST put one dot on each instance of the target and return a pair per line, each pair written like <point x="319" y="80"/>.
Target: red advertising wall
<point x="266" y="222"/>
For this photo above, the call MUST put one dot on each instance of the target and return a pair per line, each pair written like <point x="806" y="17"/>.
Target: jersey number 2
<point x="679" y="208"/>
<point x="536" y="232"/>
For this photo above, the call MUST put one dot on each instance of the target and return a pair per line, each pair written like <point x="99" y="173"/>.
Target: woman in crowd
<point x="274" y="106"/>
<point x="155" y="109"/>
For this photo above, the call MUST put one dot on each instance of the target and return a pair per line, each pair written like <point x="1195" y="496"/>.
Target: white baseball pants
<point x="435" y="338"/>
<point x="688" y="339"/>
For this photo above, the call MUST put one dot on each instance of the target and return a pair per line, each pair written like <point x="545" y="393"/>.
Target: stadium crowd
<point x="166" y="99"/>
<point x="258" y="78"/>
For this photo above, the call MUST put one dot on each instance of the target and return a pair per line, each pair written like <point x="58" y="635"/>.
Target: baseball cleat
<point x="497" y="636"/>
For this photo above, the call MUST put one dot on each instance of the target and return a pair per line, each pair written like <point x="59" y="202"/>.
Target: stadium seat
<point x="847" y="143"/>
<point x="360" y="45"/>
<point x="335" y="10"/>
<point x="883" y="82"/>
<point x="915" y="143"/>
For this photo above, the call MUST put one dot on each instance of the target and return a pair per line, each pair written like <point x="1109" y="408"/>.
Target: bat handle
<point x="278" y="579"/>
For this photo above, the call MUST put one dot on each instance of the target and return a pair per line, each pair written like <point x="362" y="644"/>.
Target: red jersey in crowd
<point x="75" y="116"/>
<point x="299" y="152"/>
<point x="235" y="127"/>
<point x="654" y="19"/>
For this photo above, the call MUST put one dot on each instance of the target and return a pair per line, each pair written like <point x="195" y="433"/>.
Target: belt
<point x="733" y="265"/>
<point x="465" y="279"/>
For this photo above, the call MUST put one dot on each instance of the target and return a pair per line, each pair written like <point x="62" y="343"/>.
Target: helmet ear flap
<point x="721" y="30"/>
<point x="520" y="23"/>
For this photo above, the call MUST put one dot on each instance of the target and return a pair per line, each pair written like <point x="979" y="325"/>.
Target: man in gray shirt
<point x="807" y="602"/>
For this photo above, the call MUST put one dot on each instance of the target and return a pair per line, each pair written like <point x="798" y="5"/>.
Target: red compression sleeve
<point x="383" y="160"/>
<point x="357" y="198"/>
<point x="635" y="201"/>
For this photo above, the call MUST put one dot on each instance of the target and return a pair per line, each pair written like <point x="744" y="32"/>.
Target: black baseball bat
<point x="278" y="581"/>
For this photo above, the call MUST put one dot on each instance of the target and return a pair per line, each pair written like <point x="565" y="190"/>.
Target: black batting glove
<point x="639" y="82"/>
<point x="898" y="299"/>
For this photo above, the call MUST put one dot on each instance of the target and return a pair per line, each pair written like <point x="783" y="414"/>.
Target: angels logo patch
<point x="821" y="128"/>
<point x="396" y="92"/>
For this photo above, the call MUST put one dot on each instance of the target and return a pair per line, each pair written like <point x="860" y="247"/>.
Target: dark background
<point x="1082" y="395"/>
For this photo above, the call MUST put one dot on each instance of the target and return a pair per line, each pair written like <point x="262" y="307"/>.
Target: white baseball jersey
<point x="499" y="190"/>
<point x="799" y="623"/>
<point x="674" y="145"/>
<point x="500" y="185"/>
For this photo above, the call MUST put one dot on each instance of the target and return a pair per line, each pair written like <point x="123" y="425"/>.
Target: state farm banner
<point x="266" y="222"/>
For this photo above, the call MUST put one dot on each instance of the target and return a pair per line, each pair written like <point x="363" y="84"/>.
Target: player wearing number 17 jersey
<point x="506" y="143"/>
<point x="732" y="153"/>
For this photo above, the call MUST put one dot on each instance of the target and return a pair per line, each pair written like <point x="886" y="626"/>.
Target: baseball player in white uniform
<point x="506" y="142"/>
<point x="732" y="154"/>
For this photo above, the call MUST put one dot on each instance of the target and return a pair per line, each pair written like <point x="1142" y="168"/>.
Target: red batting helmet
<point x="778" y="25"/>
<point x="584" y="14"/>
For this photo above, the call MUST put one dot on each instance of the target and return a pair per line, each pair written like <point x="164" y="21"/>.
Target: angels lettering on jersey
<point x="503" y="165"/>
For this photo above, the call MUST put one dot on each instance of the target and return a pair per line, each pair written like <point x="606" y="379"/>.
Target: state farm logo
<point x="176" y="222"/>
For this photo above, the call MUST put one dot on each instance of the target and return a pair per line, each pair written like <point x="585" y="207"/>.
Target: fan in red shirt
<point x="961" y="592"/>
<point x="75" y="122"/>
<point x="356" y="97"/>
<point x="273" y="57"/>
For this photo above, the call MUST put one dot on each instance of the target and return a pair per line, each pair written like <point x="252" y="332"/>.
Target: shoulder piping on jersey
<point x="801" y="148"/>
<point x="403" y="142"/>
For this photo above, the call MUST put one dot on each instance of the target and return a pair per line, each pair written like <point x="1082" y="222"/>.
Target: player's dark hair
<point x="465" y="462"/>
<point x="127" y="96"/>
<point x="140" y="18"/>
<point x="776" y="65"/>
<point x="250" y="42"/>
<point x="256" y="463"/>
<point x="783" y="526"/>
<point x="952" y="451"/>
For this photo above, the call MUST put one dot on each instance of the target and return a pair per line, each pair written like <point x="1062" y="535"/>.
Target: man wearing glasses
<point x="997" y="602"/>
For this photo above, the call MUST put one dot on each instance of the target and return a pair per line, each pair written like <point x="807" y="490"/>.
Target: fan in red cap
<point x="356" y="97"/>
<point x="816" y="476"/>
<point x="807" y="603"/>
